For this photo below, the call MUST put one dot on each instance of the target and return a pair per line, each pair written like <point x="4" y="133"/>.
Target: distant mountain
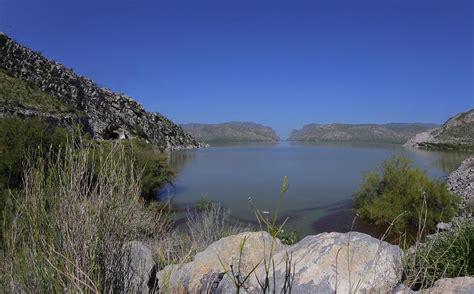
<point x="456" y="133"/>
<point x="34" y="86"/>
<point x="231" y="132"/>
<point x="383" y="133"/>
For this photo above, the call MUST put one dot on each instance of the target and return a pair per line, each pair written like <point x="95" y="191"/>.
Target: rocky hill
<point x="456" y="133"/>
<point x="384" y="133"/>
<point x="231" y="132"/>
<point x="46" y="89"/>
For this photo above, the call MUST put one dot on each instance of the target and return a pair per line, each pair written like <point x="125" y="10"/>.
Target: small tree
<point x="400" y="192"/>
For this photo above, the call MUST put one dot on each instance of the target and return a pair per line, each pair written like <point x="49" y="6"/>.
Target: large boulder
<point x="461" y="285"/>
<point x="207" y="269"/>
<point x="330" y="263"/>
<point x="139" y="267"/>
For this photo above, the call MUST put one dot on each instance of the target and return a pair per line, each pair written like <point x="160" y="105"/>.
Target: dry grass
<point x="74" y="213"/>
<point x="203" y="227"/>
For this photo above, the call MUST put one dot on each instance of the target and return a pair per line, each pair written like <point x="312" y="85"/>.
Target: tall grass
<point x="77" y="209"/>
<point x="204" y="226"/>
<point x="447" y="254"/>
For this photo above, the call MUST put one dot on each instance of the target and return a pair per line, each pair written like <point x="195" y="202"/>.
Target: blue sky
<point x="279" y="63"/>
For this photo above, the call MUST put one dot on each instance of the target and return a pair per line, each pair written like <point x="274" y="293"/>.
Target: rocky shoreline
<point x="461" y="181"/>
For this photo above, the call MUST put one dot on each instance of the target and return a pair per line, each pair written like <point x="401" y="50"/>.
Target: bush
<point x="155" y="172"/>
<point x="67" y="231"/>
<point x="19" y="137"/>
<point x="400" y="193"/>
<point x="204" y="203"/>
<point x="447" y="254"/>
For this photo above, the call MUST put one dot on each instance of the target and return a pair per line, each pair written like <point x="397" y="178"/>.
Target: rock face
<point x="139" y="267"/>
<point x="102" y="111"/>
<point x="325" y="263"/>
<point x="456" y="133"/>
<point x="204" y="273"/>
<point x="387" y="133"/>
<point x="231" y="132"/>
<point x="461" y="181"/>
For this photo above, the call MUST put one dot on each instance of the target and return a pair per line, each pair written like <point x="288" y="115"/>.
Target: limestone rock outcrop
<point x="102" y="112"/>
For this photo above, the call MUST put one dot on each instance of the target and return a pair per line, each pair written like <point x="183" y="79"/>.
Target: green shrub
<point x="155" y="172"/>
<point x="204" y="203"/>
<point x="18" y="137"/>
<point x="400" y="193"/>
<point x="447" y="254"/>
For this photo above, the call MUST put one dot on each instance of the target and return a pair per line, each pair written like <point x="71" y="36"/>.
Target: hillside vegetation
<point x="231" y="132"/>
<point x="456" y="133"/>
<point x="17" y="93"/>
<point x="386" y="133"/>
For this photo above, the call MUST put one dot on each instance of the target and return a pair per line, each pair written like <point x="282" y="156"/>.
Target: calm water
<point x="322" y="178"/>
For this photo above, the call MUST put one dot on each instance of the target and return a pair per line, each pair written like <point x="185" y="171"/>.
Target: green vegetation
<point x="447" y="254"/>
<point x="17" y="139"/>
<point x="152" y="165"/>
<point x="69" y="227"/>
<point x="204" y="203"/>
<point x="446" y="146"/>
<point x="20" y="137"/>
<point x="400" y="194"/>
<point x="18" y="93"/>
<point x="75" y="208"/>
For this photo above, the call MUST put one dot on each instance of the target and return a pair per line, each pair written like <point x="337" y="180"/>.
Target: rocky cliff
<point x="231" y="132"/>
<point x="456" y="133"/>
<point x="385" y="133"/>
<point x="101" y="112"/>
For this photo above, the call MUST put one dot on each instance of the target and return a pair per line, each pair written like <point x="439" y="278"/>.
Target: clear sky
<point x="279" y="63"/>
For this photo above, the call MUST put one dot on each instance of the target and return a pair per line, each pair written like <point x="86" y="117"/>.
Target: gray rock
<point x="461" y="181"/>
<point x="461" y="285"/>
<point x="443" y="226"/>
<point x="139" y="267"/>
<point x="204" y="273"/>
<point x="332" y="263"/>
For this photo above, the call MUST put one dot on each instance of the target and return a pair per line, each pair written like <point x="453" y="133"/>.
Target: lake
<point x="322" y="178"/>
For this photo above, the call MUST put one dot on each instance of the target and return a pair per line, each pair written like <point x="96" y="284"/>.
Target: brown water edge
<point x="344" y="220"/>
